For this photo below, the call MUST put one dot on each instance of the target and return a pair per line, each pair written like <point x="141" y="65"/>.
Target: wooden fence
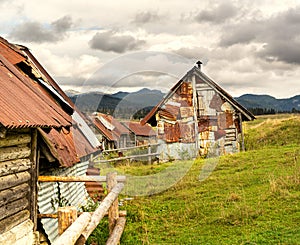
<point x="100" y="158"/>
<point x="75" y="230"/>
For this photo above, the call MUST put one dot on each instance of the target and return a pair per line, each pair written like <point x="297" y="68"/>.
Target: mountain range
<point x="121" y="104"/>
<point x="137" y="104"/>
<point x="251" y="101"/>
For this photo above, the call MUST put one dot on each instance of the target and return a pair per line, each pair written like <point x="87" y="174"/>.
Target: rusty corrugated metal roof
<point x="141" y="130"/>
<point x="119" y="128"/>
<point x="109" y="126"/>
<point x="67" y="146"/>
<point x="29" y="97"/>
<point x="107" y="133"/>
<point x="10" y="52"/>
<point x="61" y="145"/>
<point x="24" y="103"/>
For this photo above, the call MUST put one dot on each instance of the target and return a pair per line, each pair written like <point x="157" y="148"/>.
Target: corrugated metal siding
<point x="74" y="193"/>
<point x="48" y="191"/>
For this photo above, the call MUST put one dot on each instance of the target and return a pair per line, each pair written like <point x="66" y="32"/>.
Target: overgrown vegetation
<point x="250" y="198"/>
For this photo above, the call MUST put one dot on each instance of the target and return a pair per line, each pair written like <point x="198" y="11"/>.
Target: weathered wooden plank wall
<point x="15" y="188"/>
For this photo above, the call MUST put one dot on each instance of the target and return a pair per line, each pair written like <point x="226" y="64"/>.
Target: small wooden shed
<point x="140" y="134"/>
<point x="110" y="132"/>
<point x="198" y="117"/>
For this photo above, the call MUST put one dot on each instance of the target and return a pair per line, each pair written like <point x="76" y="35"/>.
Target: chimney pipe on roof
<point x="199" y="63"/>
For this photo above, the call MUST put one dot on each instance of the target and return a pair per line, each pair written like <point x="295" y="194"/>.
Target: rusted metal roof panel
<point x="141" y="130"/>
<point x="107" y="133"/>
<point x="10" y="52"/>
<point x="61" y="145"/>
<point x="118" y="127"/>
<point x="67" y="146"/>
<point x="24" y="103"/>
<point x="109" y="126"/>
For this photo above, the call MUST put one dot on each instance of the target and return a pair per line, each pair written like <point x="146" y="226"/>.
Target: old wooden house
<point x="110" y="132"/>
<point x="41" y="133"/>
<point x="140" y="134"/>
<point x="198" y="117"/>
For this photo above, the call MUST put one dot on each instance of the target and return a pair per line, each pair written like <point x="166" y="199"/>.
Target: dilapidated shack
<point x="110" y="132"/>
<point x="140" y="134"/>
<point x="198" y="117"/>
<point x="23" y="109"/>
<point x="41" y="132"/>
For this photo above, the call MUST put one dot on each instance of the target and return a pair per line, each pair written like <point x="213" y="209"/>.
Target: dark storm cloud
<point x="63" y="24"/>
<point x="217" y="14"/>
<point x="280" y="35"/>
<point x="146" y="17"/>
<point x="34" y="31"/>
<point x="287" y="51"/>
<point x="241" y="33"/>
<point x="111" y="41"/>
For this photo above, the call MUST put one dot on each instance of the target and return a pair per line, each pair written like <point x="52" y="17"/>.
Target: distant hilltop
<point x="257" y="103"/>
<point x="138" y="104"/>
<point x="121" y="104"/>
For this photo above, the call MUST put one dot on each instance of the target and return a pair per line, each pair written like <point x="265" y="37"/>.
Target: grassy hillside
<point x="250" y="198"/>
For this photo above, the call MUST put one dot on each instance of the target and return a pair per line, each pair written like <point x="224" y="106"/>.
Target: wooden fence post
<point x="149" y="152"/>
<point x="66" y="216"/>
<point x="71" y="235"/>
<point x="113" y="212"/>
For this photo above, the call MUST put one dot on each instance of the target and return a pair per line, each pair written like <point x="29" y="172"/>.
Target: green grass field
<point x="252" y="197"/>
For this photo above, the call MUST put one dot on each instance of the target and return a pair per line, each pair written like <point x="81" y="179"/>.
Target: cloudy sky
<point x="248" y="46"/>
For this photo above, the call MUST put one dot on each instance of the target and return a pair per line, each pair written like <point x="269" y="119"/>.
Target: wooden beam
<point x="70" y="236"/>
<point x="242" y="131"/>
<point x="115" y="236"/>
<point x="11" y="153"/>
<point x="127" y="157"/>
<point x="15" y="139"/>
<point x="149" y="154"/>
<point x="13" y="193"/>
<point x="13" y="207"/>
<point x="122" y="213"/>
<point x="13" y="220"/>
<point x="90" y="178"/>
<point x="125" y="149"/>
<point x="34" y="157"/>
<point x="14" y="166"/>
<point x="11" y="180"/>
<point x="47" y="153"/>
<point x="113" y="212"/>
<point x="100" y="212"/>
<point x="47" y="216"/>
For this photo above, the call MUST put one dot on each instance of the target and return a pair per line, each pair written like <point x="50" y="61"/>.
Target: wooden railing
<point x="100" y="158"/>
<point x="75" y="230"/>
